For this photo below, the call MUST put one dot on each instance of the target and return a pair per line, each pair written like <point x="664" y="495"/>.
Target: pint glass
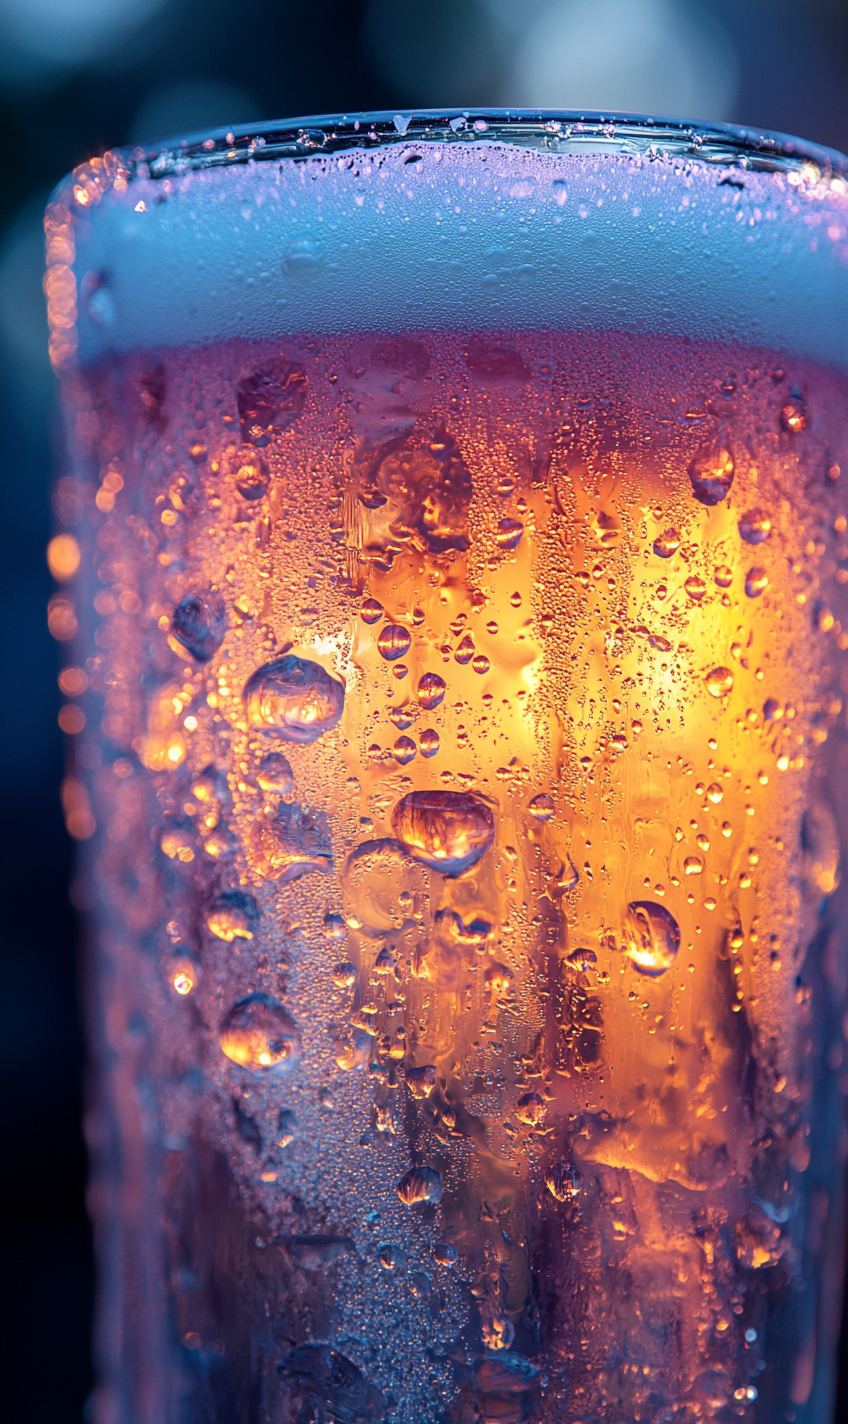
<point x="452" y="556"/>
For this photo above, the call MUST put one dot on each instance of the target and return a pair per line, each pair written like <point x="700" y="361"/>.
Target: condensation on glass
<point x="452" y="561"/>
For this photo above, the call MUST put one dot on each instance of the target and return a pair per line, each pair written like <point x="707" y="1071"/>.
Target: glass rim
<point x="553" y="131"/>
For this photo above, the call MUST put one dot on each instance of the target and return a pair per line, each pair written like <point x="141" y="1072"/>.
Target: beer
<point x="461" y="795"/>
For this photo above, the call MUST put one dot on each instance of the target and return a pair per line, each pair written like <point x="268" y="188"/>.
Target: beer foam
<point x="471" y="236"/>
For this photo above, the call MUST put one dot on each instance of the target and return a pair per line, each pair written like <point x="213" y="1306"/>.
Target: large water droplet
<point x="371" y="611"/>
<point x="531" y="1109"/>
<point x="293" y="697"/>
<point x="695" y="587"/>
<point x="259" y="1033"/>
<point x="404" y="750"/>
<point x="394" y="641"/>
<point x="294" y="843"/>
<point x="651" y="937"/>
<point x="793" y="415"/>
<point x="447" y="830"/>
<point x="509" y="532"/>
<point x="275" y="774"/>
<point x="719" y="681"/>
<point x="711" y="472"/>
<point x="758" y="1240"/>
<point x="756" y="582"/>
<point x="563" y="1181"/>
<point x="421" y="1081"/>
<point x="325" y="1378"/>
<point x="199" y="623"/>
<point x="431" y="690"/>
<point x="541" y="806"/>
<point x="445" y="1253"/>
<point x="286" y="1127"/>
<point x="667" y="543"/>
<point x="271" y="399"/>
<point x="505" y="1388"/>
<point x="233" y="915"/>
<point x="252" y="479"/>
<point x="313" y="1252"/>
<point x="465" y="650"/>
<point x="428" y="742"/>
<point x="755" y="526"/>
<point x="420" y="1184"/>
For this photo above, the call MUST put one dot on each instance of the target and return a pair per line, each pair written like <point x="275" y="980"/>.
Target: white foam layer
<point x="469" y="237"/>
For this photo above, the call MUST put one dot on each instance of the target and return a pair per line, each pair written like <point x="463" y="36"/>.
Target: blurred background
<point x="78" y="76"/>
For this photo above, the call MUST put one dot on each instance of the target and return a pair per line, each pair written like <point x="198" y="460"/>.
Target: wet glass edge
<point x="551" y="131"/>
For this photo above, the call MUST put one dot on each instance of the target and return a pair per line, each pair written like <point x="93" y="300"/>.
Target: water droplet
<point x="715" y="793"/>
<point x="334" y="927"/>
<point x="421" y="1284"/>
<point x="652" y="937"/>
<point x="758" y="1240"/>
<point x="695" y="587"/>
<point x="391" y="1255"/>
<point x="756" y="582"/>
<point x="498" y="1331"/>
<point x="286" y="1125"/>
<point x="313" y="1252"/>
<point x="295" y="698"/>
<point x="480" y="663"/>
<point x="402" y="717"/>
<point x="325" y="1378"/>
<point x="233" y="915"/>
<point x="563" y="1181"/>
<point x="509" y="532"/>
<point x="296" y="842"/>
<point x="719" y="681"/>
<point x="252" y="479"/>
<point x="431" y="690"/>
<point x="542" y="807"/>
<point x="755" y="526"/>
<point x="711" y="472"/>
<point x="667" y="543"/>
<point x="428" y="742"/>
<point x="420" y="1184"/>
<point x="199" y="624"/>
<point x="275" y="774"/>
<point x="771" y="709"/>
<point x="371" y="611"/>
<point x="693" y="865"/>
<point x="421" y="1081"/>
<point x="399" y="671"/>
<point x="178" y="845"/>
<point x="445" y="1253"/>
<point x="582" y="959"/>
<point x="498" y="978"/>
<point x="505" y="1390"/>
<point x="447" y="830"/>
<point x="465" y="650"/>
<point x="404" y="750"/>
<point x="259" y="1033"/>
<point x="723" y="576"/>
<point x="344" y="974"/>
<point x="220" y="844"/>
<point x="183" y="975"/>
<point x="394" y="641"/>
<point x="304" y="257"/>
<point x="385" y="962"/>
<point x="270" y="400"/>
<point x="531" y="1109"/>
<point x="793" y="414"/>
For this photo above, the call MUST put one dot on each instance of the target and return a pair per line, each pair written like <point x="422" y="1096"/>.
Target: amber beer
<point x="456" y="673"/>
